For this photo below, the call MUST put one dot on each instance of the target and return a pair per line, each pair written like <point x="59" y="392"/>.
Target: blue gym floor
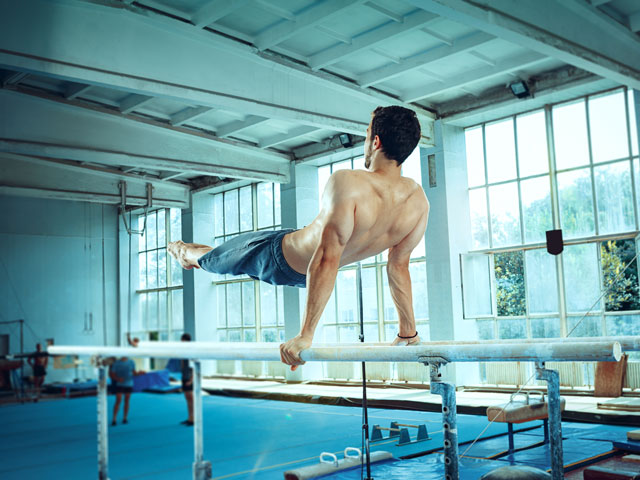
<point x="249" y="439"/>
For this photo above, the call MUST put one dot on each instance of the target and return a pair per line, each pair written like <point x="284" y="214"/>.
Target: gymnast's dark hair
<point x="185" y="337"/>
<point x="398" y="129"/>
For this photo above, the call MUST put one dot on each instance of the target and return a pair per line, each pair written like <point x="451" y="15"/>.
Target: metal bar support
<point x="365" y="413"/>
<point x="449" y="424"/>
<point x="555" y="421"/>
<point x="103" y="423"/>
<point x="201" y="468"/>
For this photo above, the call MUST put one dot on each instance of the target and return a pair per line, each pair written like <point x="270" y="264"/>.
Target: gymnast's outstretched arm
<point x="400" y="281"/>
<point x="324" y="264"/>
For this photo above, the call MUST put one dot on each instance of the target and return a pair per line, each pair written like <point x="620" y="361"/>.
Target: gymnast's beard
<point x="367" y="158"/>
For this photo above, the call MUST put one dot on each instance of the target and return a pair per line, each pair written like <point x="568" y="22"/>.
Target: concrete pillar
<point x="444" y="178"/>
<point x="299" y="205"/>
<point x="198" y="294"/>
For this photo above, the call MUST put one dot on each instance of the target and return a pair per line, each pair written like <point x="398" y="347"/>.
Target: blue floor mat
<point x="243" y="438"/>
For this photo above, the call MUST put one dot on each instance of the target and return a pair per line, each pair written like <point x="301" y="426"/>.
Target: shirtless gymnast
<point x="364" y="212"/>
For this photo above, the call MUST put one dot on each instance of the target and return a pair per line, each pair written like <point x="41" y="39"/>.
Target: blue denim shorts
<point x="257" y="254"/>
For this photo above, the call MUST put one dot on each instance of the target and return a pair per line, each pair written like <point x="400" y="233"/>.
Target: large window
<point x="340" y="321"/>
<point x="572" y="166"/>
<point x="248" y="310"/>
<point x="159" y="278"/>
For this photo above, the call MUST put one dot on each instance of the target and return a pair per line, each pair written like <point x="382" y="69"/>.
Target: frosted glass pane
<point x="323" y="177"/>
<point x="576" y="203"/>
<point x="358" y="163"/>
<point x="249" y="335"/>
<point x="545" y="328"/>
<point x="581" y="277"/>
<point x="176" y="310"/>
<point x="346" y="165"/>
<point x="176" y="272"/>
<point x="329" y="334"/>
<point x="248" y="304"/>
<point x="265" y="205"/>
<point x="512" y="329"/>
<point x="162" y="229"/>
<point x="280" y="297"/>
<point x="268" y="304"/>
<point x="505" y="215"/>
<point x="371" y="333"/>
<point x="347" y="296"/>
<point x="369" y="295"/>
<point x="532" y="144"/>
<point x="633" y="122"/>
<point x="542" y="286"/>
<point x="162" y="267"/>
<point x="218" y="214"/>
<point x="509" y="275"/>
<point x="418" y="273"/>
<point x="476" y="285"/>
<point x="536" y="208"/>
<point x="475" y="156"/>
<point x="411" y="166"/>
<point x="420" y="250"/>
<point x="584" y="326"/>
<point x="231" y="212"/>
<point x="623" y="325"/>
<point x="276" y="204"/>
<point x="390" y="332"/>
<point x="142" y="239"/>
<point x="152" y="269"/>
<point x="246" y="209"/>
<point x="221" y="302"/>
<point x="390" y="312"/>
<point x="234" y="305"/>
<point x="235" y="336"/>
<point x="150" y="231"/>
<point x="269" y="335"/>
<point x="139" y="322"/>
<point x="501" y="151"/>
<point x="608" y="127"/>
<point x="142" y="271"/>
<point x="348" y="334"/>
<point x="152" y="313"/>
<point x="486" y="329"/>
<point x="570" y="135"/>
<point x="175" y="222"/>
<point x="478" y="213"/>
<point x="163" y="322"/>
<point x="614" y="198"/>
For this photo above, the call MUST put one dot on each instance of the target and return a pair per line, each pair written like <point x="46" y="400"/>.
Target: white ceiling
<point x="188" y="95"/>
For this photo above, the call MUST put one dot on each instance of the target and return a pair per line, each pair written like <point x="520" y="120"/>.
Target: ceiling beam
<point x="240" y="125"/>
<point x="275" y="10"/>
<point x="188" y="114"/>
<point x="370" y="39"/>
<point x="119" y="158"/>
<point x="285" y="137"/>
<point x="472" y="76"/>
<point x="214" y="10"/>
<point x="102" y="172"/>
<point x="215" y="141"/>
<point x="568" y="30"/>
<point x="415" y="62"/>
<point x="373" y="5"/>
<point x="132" y="102"/>
<point x="319" y="12"/>
<point x="62" y="181"/>
<point x="335" y="35"/>
<point x="74" y="90"/>
<point x="14" y="78"/>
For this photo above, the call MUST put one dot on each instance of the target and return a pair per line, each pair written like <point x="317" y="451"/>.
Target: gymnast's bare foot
<point x="187" y="254"/>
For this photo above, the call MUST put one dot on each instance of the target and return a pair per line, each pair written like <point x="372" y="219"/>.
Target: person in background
<point x="38" y="361"/>
<point x="187" y="383"/>
<point x="133" y="342"/>
<point x="122" y="372"/>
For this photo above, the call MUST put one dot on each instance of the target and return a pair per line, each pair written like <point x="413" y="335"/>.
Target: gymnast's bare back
<point x="385" y="209"/>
